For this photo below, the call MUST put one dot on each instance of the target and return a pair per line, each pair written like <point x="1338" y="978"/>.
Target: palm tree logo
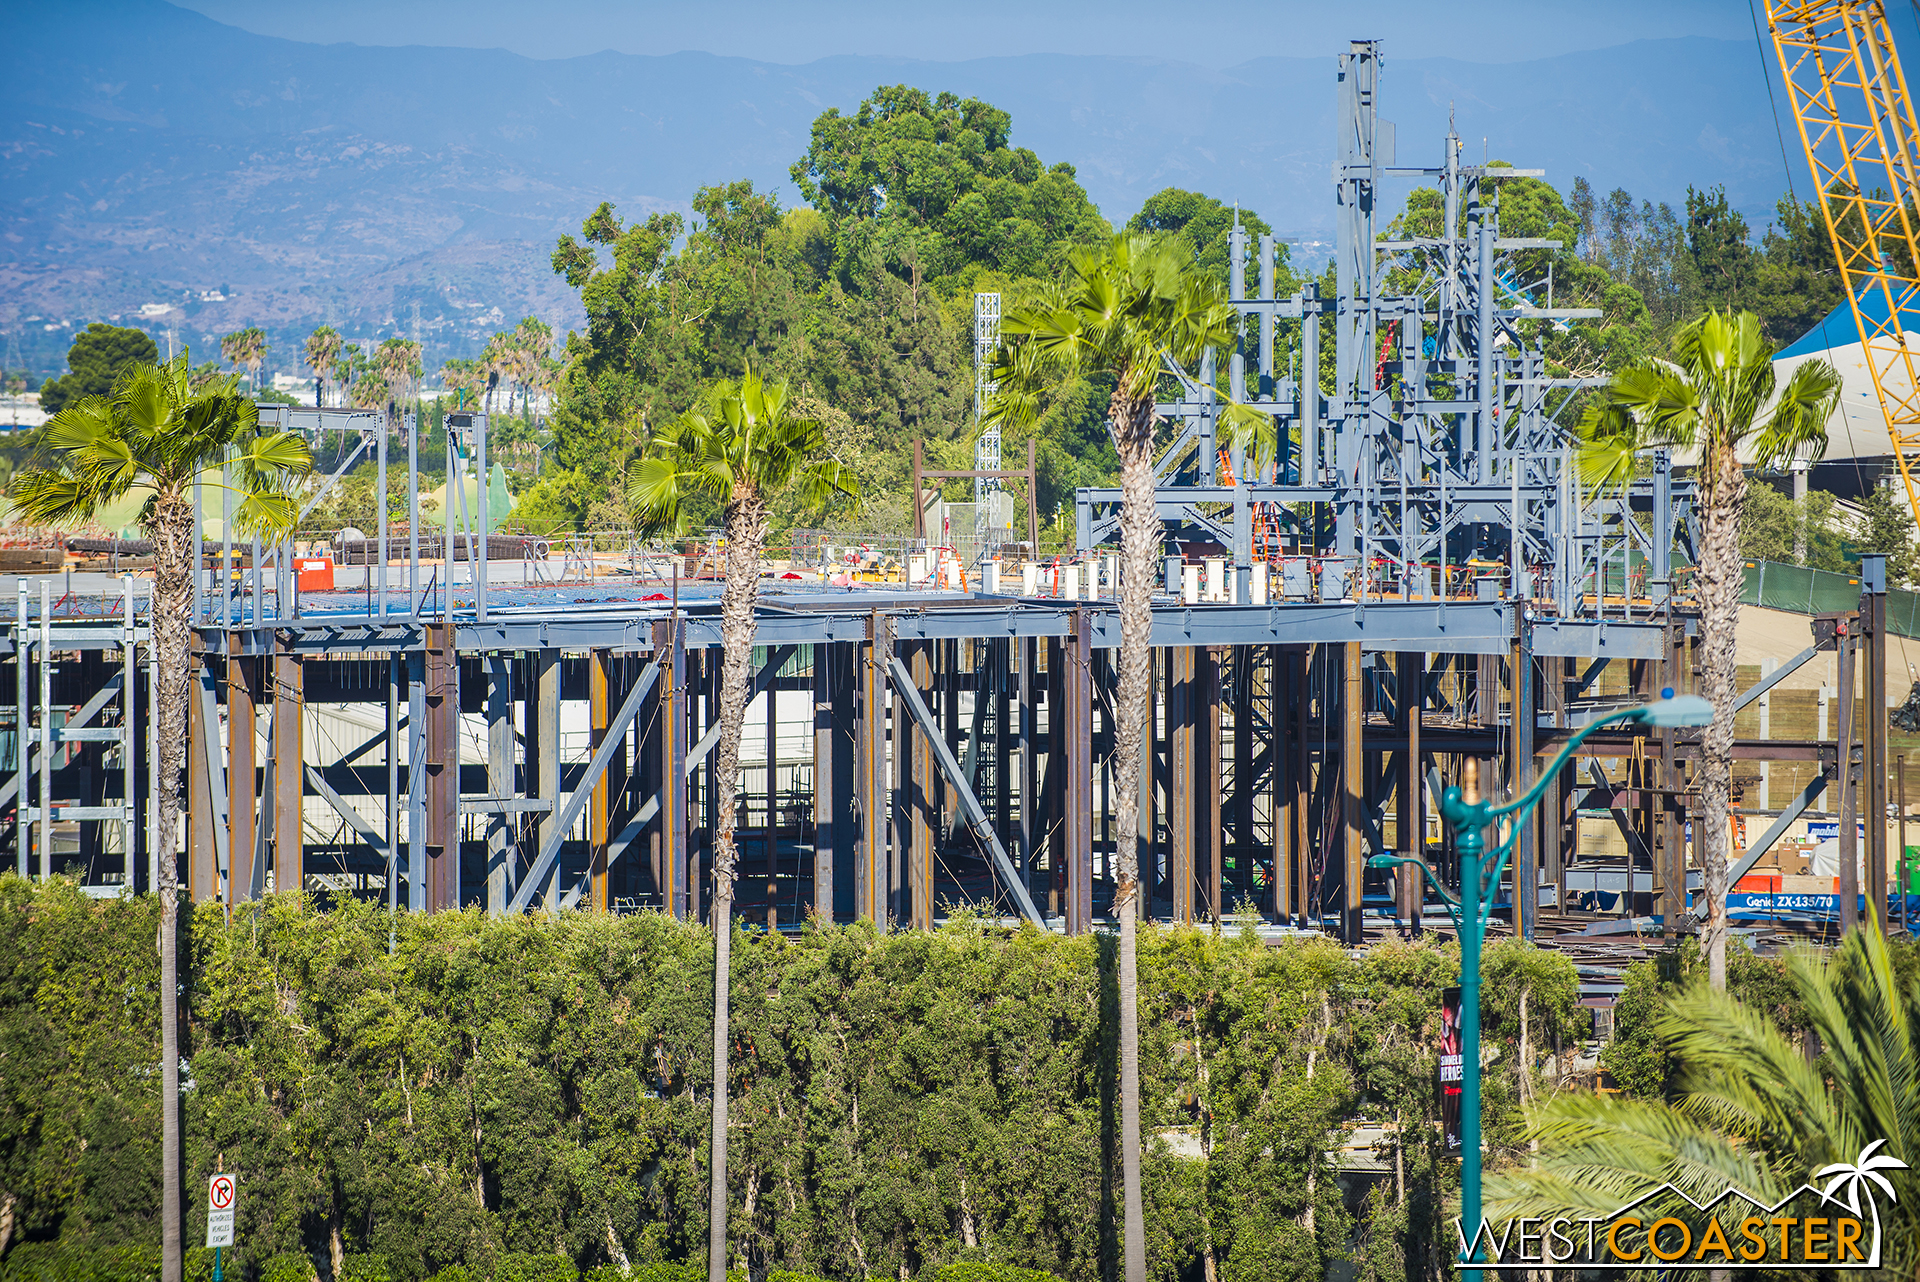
<point x="1851" y="1178"/>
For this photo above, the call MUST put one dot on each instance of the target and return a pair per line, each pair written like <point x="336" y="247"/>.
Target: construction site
<point x="1418" y="579"/>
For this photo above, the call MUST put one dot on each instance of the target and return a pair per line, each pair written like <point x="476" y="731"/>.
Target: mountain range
<point x="152" y="156"/>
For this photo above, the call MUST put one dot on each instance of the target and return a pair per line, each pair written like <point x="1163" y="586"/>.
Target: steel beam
<point x="242" y="811"/>
<point x="354" y="820"/>
<point x="971" y="810"/>
<point x="1778" y="829"/>
<point x="562" y="824"/>
<point x="871" y="888"/>
<point x="1353" y="778"/>
<point x="289" y="784"/>
<point x="1774" y="678"/>
<point x="502" y="782"/>
<point x="442" y="712"/>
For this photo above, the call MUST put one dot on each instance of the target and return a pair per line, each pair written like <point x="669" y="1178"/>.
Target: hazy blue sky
<point x="794" y="31"/>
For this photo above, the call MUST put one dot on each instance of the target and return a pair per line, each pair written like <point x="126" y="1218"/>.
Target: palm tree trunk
<point x="1140" y="544"/>
<point x="171" y="529"/>
<point x="717" y="1192"/>
<point x="746" y="520"/>
<point x="1719" y="579"/>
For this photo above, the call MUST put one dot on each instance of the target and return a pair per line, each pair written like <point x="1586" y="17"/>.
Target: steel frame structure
<point x="959" y="745"/>
<point x="1439" y="446"/>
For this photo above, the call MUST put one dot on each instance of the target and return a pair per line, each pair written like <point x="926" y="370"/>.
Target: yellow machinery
<point x="1856" y="122"/>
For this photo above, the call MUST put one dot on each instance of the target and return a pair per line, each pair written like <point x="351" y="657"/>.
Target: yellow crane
<point x="1849" y="98"/>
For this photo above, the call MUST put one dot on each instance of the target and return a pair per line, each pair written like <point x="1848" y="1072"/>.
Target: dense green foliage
<point x="931" y="187"/>
<point x="1638" y="1058"/>
<point x="1773" y="527"/>
<point x="98" y="355"/>
<point x="1710" y="258"/>
<point x="1203" y="224"/>
<point x="862" y="303"/>
<point x="502" y="1088"/>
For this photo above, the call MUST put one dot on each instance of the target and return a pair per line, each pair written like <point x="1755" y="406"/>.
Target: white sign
<point x="220" y="1199"/>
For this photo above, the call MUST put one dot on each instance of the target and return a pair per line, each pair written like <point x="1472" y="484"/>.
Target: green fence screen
<point x="1774" y="586"/>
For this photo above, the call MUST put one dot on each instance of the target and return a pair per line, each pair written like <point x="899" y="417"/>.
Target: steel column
<point x="1354" y="790"/>
<point x="503" y="853"/>
<point x="203" y="745"/>
<point x="1078" y="749"/>
<point x="1183" y="822"/>
<point x="1849" y="783"/>
<point x="443" y="770"/>
<point x="918" y="795"/>
<point x="543" y="737"/>
<point x="1873" y="619"/>
<point x="242" y="783"/>
<point x="1410" y="823"/>
<point x="1526" y="853"/>
<point x="870" y="880"/>
<point x="289" y="779"/>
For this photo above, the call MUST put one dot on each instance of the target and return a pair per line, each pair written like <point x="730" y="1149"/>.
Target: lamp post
<point x="1468" y="815"/>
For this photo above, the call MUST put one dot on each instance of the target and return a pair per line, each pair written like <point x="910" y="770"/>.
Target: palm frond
<point x="54" y="496"/>
<point x="1796" y="428"/>
<point x="1756" y="1115"/>
<point x="1251" y="431"/>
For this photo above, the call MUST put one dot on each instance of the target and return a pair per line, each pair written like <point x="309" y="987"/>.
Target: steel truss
<point x="1442" y="452"/>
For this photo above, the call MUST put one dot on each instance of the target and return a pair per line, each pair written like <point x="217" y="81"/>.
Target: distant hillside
<point x="149" y="153"/>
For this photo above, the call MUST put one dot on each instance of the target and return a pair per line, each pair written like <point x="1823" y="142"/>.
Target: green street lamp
<point x="1469" y="816"/>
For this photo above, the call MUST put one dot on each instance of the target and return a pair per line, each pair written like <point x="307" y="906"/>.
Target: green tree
<point x="1797" y="282"/>
<point x="1722" y="259"/>
<point x="157" y="433"/>
<point x="1640" y="1059"/>
<point x="396" y="364"/>
<point x="96" y="359"/>
<point x="322" y="350"/>
<point x="930" y="185"/>
<point x="1202" y="224"/>
<point x="1585" y="212"/>
<point x="1717" y="397"/>
<point x="1889" y="530"/>
<point x="1774" y="527"/>
<point x="1118" y="312"/>
<point x="246" y="347"/>
<point x="1752" y="1110"/>
<point x="741" y="447"/>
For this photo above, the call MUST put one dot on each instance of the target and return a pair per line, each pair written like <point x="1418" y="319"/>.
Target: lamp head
<point x="1386" y="861"/>
<point x="1676" y="710"/>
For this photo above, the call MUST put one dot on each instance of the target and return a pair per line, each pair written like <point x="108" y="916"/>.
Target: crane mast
<point x="1856" y="122"/>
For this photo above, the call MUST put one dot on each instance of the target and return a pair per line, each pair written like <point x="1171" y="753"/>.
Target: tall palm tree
<point x="741" y="446"/>
<point x="462" y="376"/>
<point x="1755" y="1111"/>
<point x="498" y="360"/>
<point x="533" y="341"/>
<point x="246" y="347"/>
<point x="1714" y="401"/>
<point x="157" y="433"/>
<point x="323" y="353"/>
<point x="397" y="361"/>
<point x="1122" y="309"/>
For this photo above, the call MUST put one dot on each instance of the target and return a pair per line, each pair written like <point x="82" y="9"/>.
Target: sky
<point x="800" y="31"/>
